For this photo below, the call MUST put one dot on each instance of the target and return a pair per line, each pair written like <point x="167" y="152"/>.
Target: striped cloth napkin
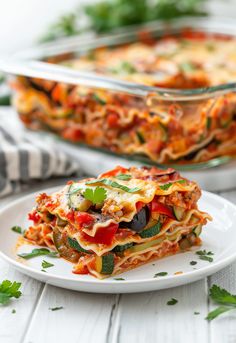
<point x="25" y="157"/>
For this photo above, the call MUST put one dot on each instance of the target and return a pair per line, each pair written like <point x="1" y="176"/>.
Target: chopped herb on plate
<point x="13" y="311"/>
<point x="204" y="252"/>
<point x="17" y="229"/>
<point x="160" y="274"/>
<point x="196" y="313"/>
<point x="46" y="264"/>
<point x="192" y="263"/>
<point x="205" y="256"/>
<point x="119" y="279"/>
<point x="38" y="252"/>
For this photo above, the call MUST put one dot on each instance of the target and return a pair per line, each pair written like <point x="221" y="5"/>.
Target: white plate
<point x="218" y="236"/>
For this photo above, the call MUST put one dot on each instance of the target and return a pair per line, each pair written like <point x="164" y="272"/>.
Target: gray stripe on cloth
<point x="23" y="155"/>
<point x="45" y="162"/>
<point x="3" y="172"/>
<point x="24" y="164"/>
<point x="45" y="158"/>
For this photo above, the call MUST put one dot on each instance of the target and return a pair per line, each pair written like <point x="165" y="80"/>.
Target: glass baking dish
<point x="161" y="124"/>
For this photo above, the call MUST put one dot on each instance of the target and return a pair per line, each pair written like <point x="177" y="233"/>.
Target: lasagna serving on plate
<point x="167" y="130"/>
<point x="121" y="220"/>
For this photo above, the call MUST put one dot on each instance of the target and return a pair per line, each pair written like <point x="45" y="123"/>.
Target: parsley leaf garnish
<point x="9" y="290"/>
<point x="160" y="274"/>
<point x="119" y="279"/>
<point x="205" y="255"/>
<point x="56" y="308"/>
<point x="13" y="311"/>
<point x="222" y="297"/>
<point x="46" y="264"/>
<point x="114" y="184"/>
<point x="17" y="229"/>
<point x="123" y="177"/>
<point x="97" y="195"/>
<point x="173" y="301"/>
<point x="38" y="252"/>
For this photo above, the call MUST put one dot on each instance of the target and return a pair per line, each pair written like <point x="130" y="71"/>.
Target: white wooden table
<point x="133" y="318"/>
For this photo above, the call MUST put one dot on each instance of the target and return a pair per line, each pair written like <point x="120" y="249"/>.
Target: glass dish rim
<point x="210" y="24"/>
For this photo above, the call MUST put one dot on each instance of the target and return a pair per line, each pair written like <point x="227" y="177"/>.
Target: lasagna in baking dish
<point x="120" y="220"/>
<point x="164" y="130"/>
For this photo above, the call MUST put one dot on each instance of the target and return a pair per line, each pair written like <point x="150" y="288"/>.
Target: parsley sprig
<point x="221" y="296"/>
<point x="9" y="290"/>
<point x="96" y="196"/>
<point x="107" y="15"/>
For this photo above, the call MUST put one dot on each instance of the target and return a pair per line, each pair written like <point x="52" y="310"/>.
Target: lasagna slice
<point x="120" y="220"/>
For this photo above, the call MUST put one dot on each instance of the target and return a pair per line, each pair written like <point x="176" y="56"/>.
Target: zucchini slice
<point x="121" y="248"/>
<point x="164" y="132"/>
<point x="63" y="247"/>
<point x="75" y="245"/>
<point x="151" y="231"/>
<point x="179" y="212"/>
<point x="140" y="247"/>
<point x="76" y="200"/>
<point x="105" y="264"/>
<point x="197" y="230"/>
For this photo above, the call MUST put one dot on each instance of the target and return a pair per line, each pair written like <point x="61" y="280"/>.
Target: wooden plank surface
<point x="146" y="317"/>
<point x="84" y="318"/>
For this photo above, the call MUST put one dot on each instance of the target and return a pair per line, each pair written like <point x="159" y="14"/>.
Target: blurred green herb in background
<point x="107" y="15"/>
